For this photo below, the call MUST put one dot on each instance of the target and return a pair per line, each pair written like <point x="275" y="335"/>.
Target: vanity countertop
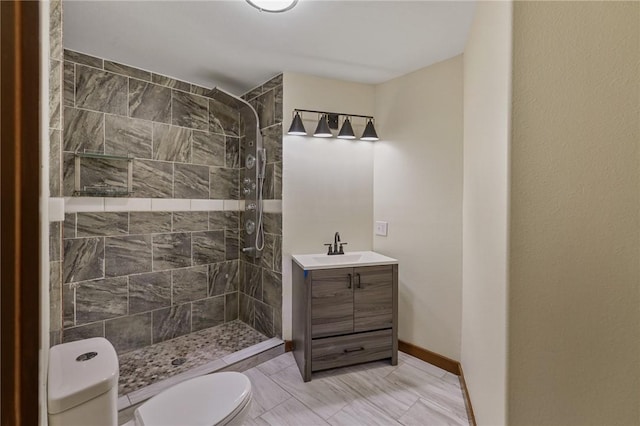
<point x="348" y="260"/>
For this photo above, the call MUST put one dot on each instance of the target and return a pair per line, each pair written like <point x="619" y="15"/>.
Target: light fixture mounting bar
<point x="333" y="113"/>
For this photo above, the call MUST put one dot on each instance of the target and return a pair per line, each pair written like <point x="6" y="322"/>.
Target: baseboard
<point x="447" y="364"/>
<point x="288" y="345"/>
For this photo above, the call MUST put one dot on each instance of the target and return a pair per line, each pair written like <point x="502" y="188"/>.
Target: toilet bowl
<point x="83" y="391"/>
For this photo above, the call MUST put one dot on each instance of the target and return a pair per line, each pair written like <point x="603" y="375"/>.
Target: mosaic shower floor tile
<point x="143" y="367"/>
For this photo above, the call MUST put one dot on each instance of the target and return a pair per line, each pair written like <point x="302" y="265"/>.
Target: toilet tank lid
<point x="80" y="371"/>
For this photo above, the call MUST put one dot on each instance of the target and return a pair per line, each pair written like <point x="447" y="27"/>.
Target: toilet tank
<point x="83" y="384"/>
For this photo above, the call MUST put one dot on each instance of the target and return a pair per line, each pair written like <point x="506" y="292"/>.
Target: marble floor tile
<point x="266" y="394"/>
<point x="292" y="413"/>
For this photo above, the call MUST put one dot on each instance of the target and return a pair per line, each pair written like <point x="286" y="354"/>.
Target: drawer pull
<point x="346" y="351"/>
<point x="359" y="280"/>
<point x="350" y="280"/>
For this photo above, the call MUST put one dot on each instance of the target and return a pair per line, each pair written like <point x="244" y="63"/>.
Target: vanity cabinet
<point x="344" y="316"/>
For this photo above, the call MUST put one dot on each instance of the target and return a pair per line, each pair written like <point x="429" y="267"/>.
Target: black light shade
<point x="346" y="132"/>
<point x="323" y="131"/>
<point x="369" y="133"/>
<point x="297" y="127"/>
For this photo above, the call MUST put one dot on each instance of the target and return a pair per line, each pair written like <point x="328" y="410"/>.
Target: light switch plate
<point x="381" y="228"/>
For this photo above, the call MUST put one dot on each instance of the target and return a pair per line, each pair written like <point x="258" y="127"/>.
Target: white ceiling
<point x="231" y="45"/>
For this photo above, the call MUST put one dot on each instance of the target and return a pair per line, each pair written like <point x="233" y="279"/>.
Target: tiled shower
<point x="165" y="260"/>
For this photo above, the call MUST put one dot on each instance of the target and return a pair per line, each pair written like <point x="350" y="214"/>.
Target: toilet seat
<point x="213" y="399"/>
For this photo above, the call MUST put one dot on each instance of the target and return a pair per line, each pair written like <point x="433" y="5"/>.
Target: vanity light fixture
<point x="330" y="120"/>
<point x="273" y="6"/>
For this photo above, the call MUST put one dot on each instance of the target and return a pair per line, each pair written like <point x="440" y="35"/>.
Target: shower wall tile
<point x="273" y="223"/>
<point x="232" y="243"/>
<point x="55" y="29"/>
<point x="171" y="143"/>
<point x="149" y="101"/>
<point x="55" y="160"/>
<point x="223" y="278"/>
<point x="127" y="70"/>
<point x="263" y="321"/>
<point x="224" y="220"/>
<point x="208" y="148"/>
<point x="252" y="281"/>
<point x="190" y="221"/>
<point x="232" y="154"/>
<point x="68" y="306"/>
<point x="171" y="251"/>
<point x="81" y="58"/>
<point x="127" y="136"/>
<point x="223" y="119"/>
<point x="127" y="255"/>
<point x="83" y="130"/>
<point x="149" y="222"/>
<point x="202" y="91"/>
<point x="129" y="333"/>
<point x="224" y="184"/>
<point x="170" y="82"/>
<point x="266" y="261"/>
<point x="55" y="94"/>
<point x="265" y="107"/>
<point x="99" y="172"/>
<point x="83" y="259"/>
<point x="272" y="140"/>
<point x="277" y="322"/>
<point x="272" y="288"/>
<point x="152" y="179"/>
<point x="278" y="104"/>
<point x="277" y="254"/>
<point x="230" y="307"/>
<point x="191" y="181"/>
<point x="101" y="224"/>
<point x="272" y="84"/>
<point x="208" y="247"/>
<point x="101" y="91"/>
<point x="55" y="295"/>
<point x="207" y="313"/>
<point x="268" y="191"/>
<point x="189" y="284"/>
<point x="55" y="241"/>
<point x="83" y="332"/>
<point x="246" y="309"/>
<point x="277" y="181"/>
<point x="189" y="110"/>
<point x="69" y="230"/>
<point x="69" y="82"/>
<point x="171" y="322"/>
<point x="148" y="292"/>
<point x="55" y="338"/>
<point x="101" y="299"/>
<point x="253" y="93"/>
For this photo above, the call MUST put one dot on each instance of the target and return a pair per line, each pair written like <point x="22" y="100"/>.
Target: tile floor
<point x="410" y="393"/>
<point x="151" y="364"/>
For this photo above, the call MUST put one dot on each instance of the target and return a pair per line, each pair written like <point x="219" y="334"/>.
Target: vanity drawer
<point x="331" y="352"/>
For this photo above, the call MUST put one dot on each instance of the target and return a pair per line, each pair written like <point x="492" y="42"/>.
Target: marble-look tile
<point x="223" y="119"/>
<point x="83" y="332"/>
<point x="426" y="412"/>
<point x="266" y="260"/>
<point x="152" y="179"/>
<point x="124" y="136"/>
<point x="83" y="130"/>
<point x="171" y="143"/>
<point x="277" y="254"/>
<point x="69" y="82"/>
<point x="68" y="305"/>
<point x="55" y="338"/>
<point x="292" y="413"/>
<point x="127" y="70"/>
<point x="55" y="160"/>
<point x="55" y="296"/>
<point x="272" y="140"/>
<point x="273" y="223"/>
<point x="230" y="307"/>
<point x="101" y="299"/>
<point x="208" y="247"/>
<point x="55" y="29"/>
<point x="149" y="101"/>
<point x="55" y="94"/>
<point x="171" y="251"/>
<point x="101" y="91"/>
<point x="252" y="282"/>
<point x="223" y="278"/>
<point x="191" y="181"/>
<point x="69" y="230"/>
<point x="224" y="184"/>
<point x="189" y="110"/>
<point x="263" y="320"/>
<point x="277" y="364"/>
<point x="81" y="58"/>
<point x="149" y="222"/>
<point x="253" y="93"/>
<point x="208" y="148"/>
<point x="170" y="82"/>
<point x="232" y="152"/>
<point x="100" y="172"/>
<point x="265" y="107"/>
<point x="272" y="288"/>
<point x="149" y="291"/>
<point x="189" y="284"/>
<point x="246" y="308"/>
<point x="278" y="109"/>
<point x="101" y="224"/>
<point x="202" y="91"/>
<point x="190" y="221"/>
<point x="277" y="322"/>
<point x="207" y="313"/>
<point x="232" y="244"/>
<point x="83" y="259"/>
<point x="277" y="181"/>
<point x="224" y="220"/>
<point x="170" y="323"/>
<point x="129" y="333"/>
<point x="127" y="255"/>
<point x="361" y="412"/>
<point x="273" y="83"/>
<point x="267" y="394"/>
<point x="268" y="190"/>
<point x="55" y="241"/>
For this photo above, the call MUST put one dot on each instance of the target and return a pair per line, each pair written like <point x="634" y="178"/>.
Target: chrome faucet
<point x="335" y="249"/>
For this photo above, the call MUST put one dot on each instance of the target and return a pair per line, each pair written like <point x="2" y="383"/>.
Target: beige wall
<point x="327" y="183"/>
<point x="574" y="310"/>
<point x="418" y="191"/>
<point x="487" y="105"/>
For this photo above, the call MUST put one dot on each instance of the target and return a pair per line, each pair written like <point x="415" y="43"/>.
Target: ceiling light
<point x="346" y="132"/>
<point x="323" y="131"/>
<point x="297" y="127"/>
<point x="369" y="133"/>
<point x="273" y="6"/>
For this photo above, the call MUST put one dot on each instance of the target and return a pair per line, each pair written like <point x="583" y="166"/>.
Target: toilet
<point x="83" y="391"/>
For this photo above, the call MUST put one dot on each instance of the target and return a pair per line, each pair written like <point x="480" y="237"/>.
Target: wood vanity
<point x="345" y="310"/>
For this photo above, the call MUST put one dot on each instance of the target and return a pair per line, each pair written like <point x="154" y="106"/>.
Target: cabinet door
<point x="331" y="302"/>
<point x="373" y="298"/>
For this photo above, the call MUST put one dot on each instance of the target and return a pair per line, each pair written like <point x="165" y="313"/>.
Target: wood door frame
<point x="20" y="124"/>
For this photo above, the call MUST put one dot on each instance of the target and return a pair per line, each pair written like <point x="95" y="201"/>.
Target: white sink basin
<point x="352" y="259"/>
